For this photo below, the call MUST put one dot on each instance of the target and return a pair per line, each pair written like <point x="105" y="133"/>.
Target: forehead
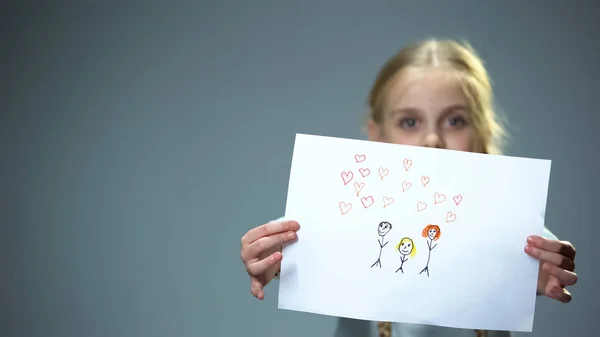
<point x="426" y="90"/>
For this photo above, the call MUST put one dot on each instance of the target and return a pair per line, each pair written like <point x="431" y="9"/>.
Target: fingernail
<point x="291" y="235"/>
<point x="295" y="225"/>
<point x="532" y="239"/>
<point x="531" y="250"/>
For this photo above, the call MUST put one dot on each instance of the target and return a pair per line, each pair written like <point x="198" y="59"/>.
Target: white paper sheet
<point x="478" y="275"/>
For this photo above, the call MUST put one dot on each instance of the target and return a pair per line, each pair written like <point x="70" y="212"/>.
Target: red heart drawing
<point x="345" y="207"/>
<point x="387" y="201"/>
<point x="438" y="197"/>
<point x="421" y="206"/>
<point x="367" y="201"/>
<point x="360" y="158"/>
<point x="383" y="172"/>
<point x="407" y="163"/>
<point x="347" y="177"/>
<point x="450" y="217"/>
<point x="358" y="187"/>
<point x="424" y="180"/>
<point x="405" y="185"/>
<point x="364" y="171"/>
<point x="457" y="199"/>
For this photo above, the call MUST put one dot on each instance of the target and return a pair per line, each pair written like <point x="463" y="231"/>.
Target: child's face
<point x="426" y="108"/>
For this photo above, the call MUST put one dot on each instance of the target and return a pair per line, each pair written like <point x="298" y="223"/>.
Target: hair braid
<point x="385" y="330"/>
<point x="480" y="333"/>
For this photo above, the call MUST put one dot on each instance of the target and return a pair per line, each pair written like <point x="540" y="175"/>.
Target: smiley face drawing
<point x="383" y="228"/>
<point x="406" y="248"/>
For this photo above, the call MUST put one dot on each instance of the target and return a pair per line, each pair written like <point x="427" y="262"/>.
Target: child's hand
<point x="557" y="266"/>
<point x="261" y="252"/>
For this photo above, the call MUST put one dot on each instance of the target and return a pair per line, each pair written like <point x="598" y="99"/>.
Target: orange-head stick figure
<point x="433" y="233"/>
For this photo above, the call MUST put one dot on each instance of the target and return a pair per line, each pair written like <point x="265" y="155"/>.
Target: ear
<point x="374" y="131"/>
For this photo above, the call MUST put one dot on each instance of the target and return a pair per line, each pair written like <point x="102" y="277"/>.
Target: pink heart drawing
<point x="421" y="206"/>
<point x="360" y="158"/>
<point x="438" y="197"/>
<point x="358" y="187"/>
<point x="387" y="201"/>
<point x="383" y="172"/>
<point x="407" y="163"/>
<point x="347" y="177"/>
<point x="424" y="180"/>
<point x="345" y="207"/>
<point x="405" y="185"/>
<point x="367" y="201"/>
<point x="450" y="216"/>
<point x="457" y="199"/>
<point x="364" y="171"/>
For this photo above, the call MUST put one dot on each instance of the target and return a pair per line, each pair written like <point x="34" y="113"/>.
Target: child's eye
<point x="457" y="121"/>
<point x="408" y="122"/>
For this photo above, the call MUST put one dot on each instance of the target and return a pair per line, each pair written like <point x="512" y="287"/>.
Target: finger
<point x="562" y="247"/>
<point x="259" y="267"/>
<point x="555" y="291"/>
<point x="256" y="288"/>
<point x="266" y="243"/>
<point x="267" y="229"/>
<point x="566" y="278"/>
<point x="554" y="258"/>
<point x="560" y="294"/>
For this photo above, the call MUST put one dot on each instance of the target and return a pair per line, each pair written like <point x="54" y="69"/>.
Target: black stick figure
<point x="383" y="228"/>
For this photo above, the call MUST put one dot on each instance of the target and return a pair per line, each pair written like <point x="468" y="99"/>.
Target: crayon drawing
<point x="406" y="247"/>
<point x="431" y="232"/>
<point x="383" y="228"/>
<point x="457" y="199"/>
<point x="345" y="194"/>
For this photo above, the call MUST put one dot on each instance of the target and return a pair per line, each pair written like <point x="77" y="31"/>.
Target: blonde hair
<point x="464" y="61"/>
<point x="413" y="251"/>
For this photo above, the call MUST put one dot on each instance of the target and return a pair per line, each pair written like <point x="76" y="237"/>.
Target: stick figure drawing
<point x="383" y="228"/>
<point x="432" y="232"/>
<point x="407" y="248"/>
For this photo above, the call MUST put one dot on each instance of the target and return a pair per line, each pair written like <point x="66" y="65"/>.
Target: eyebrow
<point x="413" y="110"/>
<point x="457" y="106"/>
<point x="405" y="110"/>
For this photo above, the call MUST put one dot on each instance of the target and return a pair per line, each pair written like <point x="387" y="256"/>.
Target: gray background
<point x="140" y="141"/>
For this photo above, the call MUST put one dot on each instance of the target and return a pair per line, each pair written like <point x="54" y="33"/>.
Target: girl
<point x="435" y="93"/>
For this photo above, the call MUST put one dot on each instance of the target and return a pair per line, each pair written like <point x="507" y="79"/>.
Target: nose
<point x="433" y="139"/>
